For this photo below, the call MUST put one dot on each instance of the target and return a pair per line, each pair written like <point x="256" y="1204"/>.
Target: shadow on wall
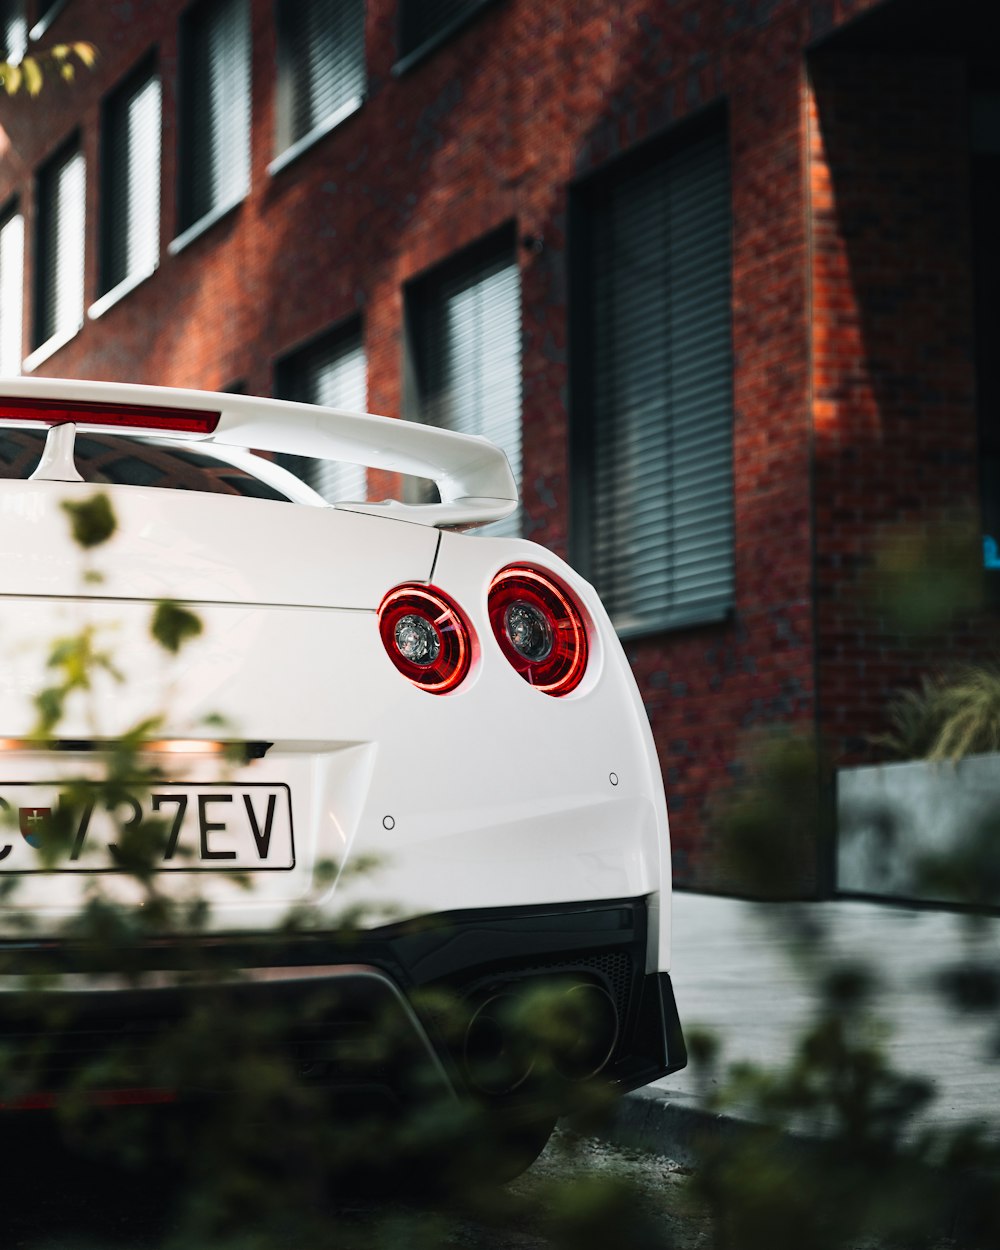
<point x="894" y="382"/>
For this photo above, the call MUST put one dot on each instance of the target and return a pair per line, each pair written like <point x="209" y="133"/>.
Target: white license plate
<point x="208" y="826"/>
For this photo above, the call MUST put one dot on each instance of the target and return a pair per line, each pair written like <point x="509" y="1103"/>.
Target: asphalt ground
<point x="737" y="973"/>
<point x="54" y="1199"/>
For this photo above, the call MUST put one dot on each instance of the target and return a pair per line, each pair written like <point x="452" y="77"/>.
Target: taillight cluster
<point x="426" y="636"/>
<point x="539" y="628"/>
<point x="536" y="622"/>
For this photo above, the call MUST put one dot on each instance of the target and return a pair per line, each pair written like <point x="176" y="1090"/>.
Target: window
<point x="464" y="326"/>
<point x="11" y="291"/>
<point x="13" y="30"/>
<point x="214" y="112"/>
<point x="321" y="66"/>
<point x="59" y="257"/>
<point x="432" y="21"/>
<point x="47" y="14"/>
<point x="331" y="371"/>
<point x="105" y="458"/>
<point x="130" y="191"/>
<point x="653" y="506"/>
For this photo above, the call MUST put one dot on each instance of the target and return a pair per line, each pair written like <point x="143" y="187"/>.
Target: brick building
<point x="719" y="274"/>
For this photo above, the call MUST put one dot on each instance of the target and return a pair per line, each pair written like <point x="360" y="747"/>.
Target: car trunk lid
<point x="204" y="548"/>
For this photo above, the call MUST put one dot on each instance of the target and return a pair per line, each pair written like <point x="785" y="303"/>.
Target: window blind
<point x="130" y="203"/>
<point x="215" y="108"/>
<point x="321" y="47"/>
<point x="661" y="548"/>
<point x="11" y="291"/>
<point x="421" y="20"/>
<point x="61" y="236"/>
<point x="13" y="30"/>
<point x="466" y="335"/>
<point x="332" y="372"/>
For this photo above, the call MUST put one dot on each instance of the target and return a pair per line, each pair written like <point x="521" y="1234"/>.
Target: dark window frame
<point x="46" y="15"/>
<point x="500" y="241"/>
<point x="412" y="53"/>
<point x="9" y="210"/>
<point x="288" y="145"/>
<point x="148" y="67"/>
<point x="71" y="145"/>
<point x="189" y="225"/>
<point x="582" y="421"/>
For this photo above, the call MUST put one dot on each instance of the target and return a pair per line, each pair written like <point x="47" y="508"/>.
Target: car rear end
<point x="412" y="843"/>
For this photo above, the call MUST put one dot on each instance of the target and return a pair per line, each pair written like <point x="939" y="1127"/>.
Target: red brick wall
<point x="895" y="426"/>
<point x="492" y="127"/>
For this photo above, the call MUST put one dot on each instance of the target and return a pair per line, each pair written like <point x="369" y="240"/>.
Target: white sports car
<point x="454" y="710"/>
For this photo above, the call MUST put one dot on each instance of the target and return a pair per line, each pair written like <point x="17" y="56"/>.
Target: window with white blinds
<point x="214" y="109"/>
<point x="46" y="15"/>
<point x="321" y="65"/>
<point x="59" y="254"/>
<point x="11" y="291"/>
<point x="331" y="371"/>
<point x="656" y="384"/>
<point x="465" y="335"/>
<point x="130" y="194"/>
<point x="421" y="21"/>
<point x="13" y="30"/>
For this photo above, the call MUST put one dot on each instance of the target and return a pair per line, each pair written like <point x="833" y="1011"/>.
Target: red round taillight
<point x="539" y="627"/>
<point x="426" y="637"/>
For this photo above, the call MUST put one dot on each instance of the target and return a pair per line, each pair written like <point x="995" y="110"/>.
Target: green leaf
<point x="12" y="76"/>
<point x="86" y="53"/>
<point x="172" y="626"/>
<point x="32" y="72"/>
<point x="49" y="705"/>
<point x="93" y="520"/>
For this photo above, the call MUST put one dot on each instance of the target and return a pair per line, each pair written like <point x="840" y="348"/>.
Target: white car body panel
<point x="366" y="745"/>
<point x="209" y="551"/>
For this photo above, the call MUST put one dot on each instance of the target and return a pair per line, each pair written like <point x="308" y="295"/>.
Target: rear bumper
<point x="335" y="995"/>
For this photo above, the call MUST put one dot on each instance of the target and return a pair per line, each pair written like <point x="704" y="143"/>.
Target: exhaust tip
<point x="590" y="1034"/>
<point x="567" y="1030"/>
<point x="497" y="1057"/>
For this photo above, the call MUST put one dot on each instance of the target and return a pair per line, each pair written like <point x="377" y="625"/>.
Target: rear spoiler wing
<point x="472" y="474"/>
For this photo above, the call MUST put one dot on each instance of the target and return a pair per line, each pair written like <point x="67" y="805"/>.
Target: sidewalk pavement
<point x="732" y="975"/>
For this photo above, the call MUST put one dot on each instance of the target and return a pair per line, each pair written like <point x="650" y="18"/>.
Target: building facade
<point x="717" y="274"/>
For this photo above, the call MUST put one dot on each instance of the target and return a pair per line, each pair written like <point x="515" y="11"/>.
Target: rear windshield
<point x="103" y="458"/>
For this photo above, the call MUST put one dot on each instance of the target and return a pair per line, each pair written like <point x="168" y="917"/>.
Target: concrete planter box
<point x="891" y="816"/>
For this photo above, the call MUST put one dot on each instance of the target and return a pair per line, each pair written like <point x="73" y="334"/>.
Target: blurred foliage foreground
<point x="60" y="61"/>
<point x="845" y="1151"/>
<point x="837" y="1151"/>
